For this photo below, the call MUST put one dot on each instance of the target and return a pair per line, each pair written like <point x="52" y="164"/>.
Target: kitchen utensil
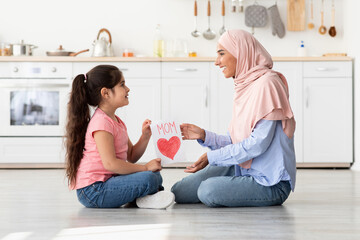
<point x="332" y="30"/>
<point x="322" y="28"/>
<point x="241" y="6"/>
<point x="311" y="23"/>
<point x="102" y="46"/>
<point x="256" y="16"/>
<point x="233" y="5"/>
<point x="209" y="34"/>
<point x="21" y="49"/>
<point x="223" y="29"/>
<point x="61" y="52"/>
<point x="296" y="15"/>
<point x="195" y="33"/>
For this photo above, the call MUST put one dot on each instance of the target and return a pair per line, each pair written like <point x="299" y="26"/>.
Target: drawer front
<point x="185" y="70"/>
<point x="327" y="69"/>
<point x="35" y="70"/>
<point x="130" y="70"/>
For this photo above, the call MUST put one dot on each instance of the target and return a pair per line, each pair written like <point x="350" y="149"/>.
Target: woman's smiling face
<point x="226" y="61"/>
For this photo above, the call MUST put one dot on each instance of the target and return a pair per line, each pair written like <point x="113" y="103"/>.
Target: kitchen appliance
<point x="61" y="52"/>
<point x="102" y="46"/>
<point x="34" y="98"/>
<point x="21" y="49"/>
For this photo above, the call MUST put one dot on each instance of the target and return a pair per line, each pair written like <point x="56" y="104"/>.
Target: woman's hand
<point x="198" y="165"/>
<point x="191" y="131"/>
<point x="146" y="130"/>
<point x="154" y="165"/>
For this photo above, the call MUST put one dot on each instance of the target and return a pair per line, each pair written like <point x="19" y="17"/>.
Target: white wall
<point x="75" y="24"/>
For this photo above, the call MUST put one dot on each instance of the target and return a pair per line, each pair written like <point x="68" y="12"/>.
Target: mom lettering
<point x="166" y="128"/>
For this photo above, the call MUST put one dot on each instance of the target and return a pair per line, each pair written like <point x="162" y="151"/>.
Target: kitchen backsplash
<point x="75" y="24"/>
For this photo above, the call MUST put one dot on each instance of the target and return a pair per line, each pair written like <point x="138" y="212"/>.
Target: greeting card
<point x="168" y="142"/>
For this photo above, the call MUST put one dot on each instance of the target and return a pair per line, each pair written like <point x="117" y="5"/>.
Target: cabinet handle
<point x="324" y="69"/>
<point x="185" y="69"/>
<point x="307" y="97"/>
<point x="123" y="69"/>
<point x="206" y="96"/>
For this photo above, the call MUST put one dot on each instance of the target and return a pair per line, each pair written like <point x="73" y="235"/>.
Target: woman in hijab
<point x="254" y="165"/>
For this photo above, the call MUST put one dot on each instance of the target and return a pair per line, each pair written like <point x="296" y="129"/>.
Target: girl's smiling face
<point x="120" y="94"/>
<point x="226" y="61"/>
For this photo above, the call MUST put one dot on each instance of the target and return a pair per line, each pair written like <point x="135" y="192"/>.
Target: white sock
<point x="159" y="200"/>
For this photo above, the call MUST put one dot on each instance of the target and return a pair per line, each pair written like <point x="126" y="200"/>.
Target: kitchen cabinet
<point x="321" y="96"/>
<point x="328" y="117"/>
<point x="321" y="99"/>
<point x="293" y="71"/>
<point x="185" y="98"/>
<point x="144" y="82"/>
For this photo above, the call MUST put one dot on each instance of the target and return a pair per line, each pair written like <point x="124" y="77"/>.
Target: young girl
<point x="100" y="159"/>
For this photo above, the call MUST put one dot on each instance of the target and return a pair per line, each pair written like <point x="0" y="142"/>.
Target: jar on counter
<point x="128" y="52"/>
<point x="5" y="49"/>
<point x="192" y="54"/>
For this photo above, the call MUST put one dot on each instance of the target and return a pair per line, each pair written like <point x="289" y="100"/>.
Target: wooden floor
<point x="36" y="204"/>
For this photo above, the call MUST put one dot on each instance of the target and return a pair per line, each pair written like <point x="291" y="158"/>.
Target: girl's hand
<point x="154" y="165"/>
<point x="146" y="130"/>
<point x="191" y="131"/>
<point x="198" y="165"/>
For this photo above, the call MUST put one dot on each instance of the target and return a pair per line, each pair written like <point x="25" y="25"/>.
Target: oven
<point x="33" y="98"/>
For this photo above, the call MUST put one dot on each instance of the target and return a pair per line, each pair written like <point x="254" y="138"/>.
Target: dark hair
<point x="85" y="91"/>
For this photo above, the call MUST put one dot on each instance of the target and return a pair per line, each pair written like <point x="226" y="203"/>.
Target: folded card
<point x="168" y="142"/>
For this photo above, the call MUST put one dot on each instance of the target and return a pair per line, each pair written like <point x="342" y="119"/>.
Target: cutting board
<point x="296" y="15"/>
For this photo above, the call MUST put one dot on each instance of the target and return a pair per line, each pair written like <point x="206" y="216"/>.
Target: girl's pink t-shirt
<point x="91" y="168"/>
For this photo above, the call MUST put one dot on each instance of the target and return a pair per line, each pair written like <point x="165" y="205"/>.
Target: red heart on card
<point x="170" y="147"/>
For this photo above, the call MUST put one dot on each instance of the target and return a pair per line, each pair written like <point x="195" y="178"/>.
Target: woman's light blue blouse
<point x="272" y="152"/>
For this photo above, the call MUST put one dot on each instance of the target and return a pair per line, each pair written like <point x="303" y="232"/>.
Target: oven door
<point x="33" y="107"/>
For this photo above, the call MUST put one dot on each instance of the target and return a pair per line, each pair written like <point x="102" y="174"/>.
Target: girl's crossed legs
<point x="119" y="190"/>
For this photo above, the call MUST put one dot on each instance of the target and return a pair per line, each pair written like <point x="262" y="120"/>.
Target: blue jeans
<point x="218" y="187"/>
<point x="119" y="190"/>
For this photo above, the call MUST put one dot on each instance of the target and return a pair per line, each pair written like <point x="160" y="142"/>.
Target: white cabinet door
<point x="293" y="74"/>
<point x="185" y="99"/>
<point x="222" y="95"/>
<point x="328" y="124"/>
<point x="144" y="103"/>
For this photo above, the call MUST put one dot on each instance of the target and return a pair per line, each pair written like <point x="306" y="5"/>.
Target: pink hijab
<point x="260" y="92"/>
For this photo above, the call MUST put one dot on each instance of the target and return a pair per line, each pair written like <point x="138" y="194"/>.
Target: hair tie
<point x="85" y="78"/>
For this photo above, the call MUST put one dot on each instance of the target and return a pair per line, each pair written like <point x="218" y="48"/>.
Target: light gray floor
<point x="36" y="204"/>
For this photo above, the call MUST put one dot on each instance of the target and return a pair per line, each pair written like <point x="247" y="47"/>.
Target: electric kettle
<point x="102" y="46"/>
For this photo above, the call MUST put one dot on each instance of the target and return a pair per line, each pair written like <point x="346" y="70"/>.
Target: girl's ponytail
<point x="78" y="117"/>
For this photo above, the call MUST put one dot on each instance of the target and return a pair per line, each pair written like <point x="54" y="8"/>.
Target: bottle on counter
<point x="302" y="50"/>
<point x="158" y="43"/>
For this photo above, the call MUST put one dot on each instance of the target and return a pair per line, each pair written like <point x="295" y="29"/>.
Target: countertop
<point x="154" y="59"/>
